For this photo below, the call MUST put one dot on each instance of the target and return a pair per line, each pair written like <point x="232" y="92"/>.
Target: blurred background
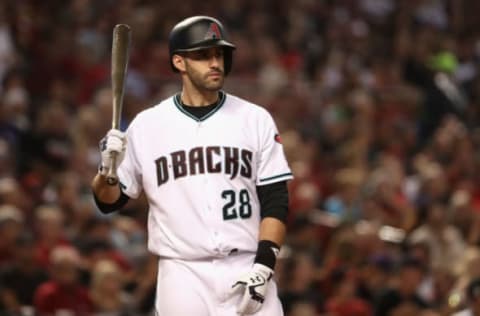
<point x="378" y="105"/>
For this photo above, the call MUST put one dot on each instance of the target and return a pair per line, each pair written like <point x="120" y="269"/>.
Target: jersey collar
<point x="221" y="101"/>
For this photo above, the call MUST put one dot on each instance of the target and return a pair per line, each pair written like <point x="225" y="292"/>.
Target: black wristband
<point x="267" y="252"/>
<point x="106" y="208"/>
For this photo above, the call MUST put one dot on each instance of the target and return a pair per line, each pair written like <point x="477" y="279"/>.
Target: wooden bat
<point x="120" y="56"/>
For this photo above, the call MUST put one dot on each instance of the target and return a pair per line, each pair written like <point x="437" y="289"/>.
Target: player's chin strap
<point x="267" y="253"/>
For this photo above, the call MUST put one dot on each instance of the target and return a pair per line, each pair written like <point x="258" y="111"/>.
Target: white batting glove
<point x="114" y="141"/>
<point x="252" y="287"/>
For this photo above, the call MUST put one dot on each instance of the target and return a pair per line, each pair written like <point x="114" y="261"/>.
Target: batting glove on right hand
<point x="114" y="141"/>
<point x="253" y="288"/>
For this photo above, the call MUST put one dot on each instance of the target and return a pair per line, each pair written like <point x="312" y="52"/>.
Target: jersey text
<point x="199" y="160"/>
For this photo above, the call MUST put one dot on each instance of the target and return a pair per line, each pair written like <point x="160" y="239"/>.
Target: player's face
<point x="205" y="68"/>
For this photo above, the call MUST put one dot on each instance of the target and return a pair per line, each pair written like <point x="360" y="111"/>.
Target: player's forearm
<point x="272" y="229"/>
<point x="271" y="236"/>
<point x="103" y="191"/>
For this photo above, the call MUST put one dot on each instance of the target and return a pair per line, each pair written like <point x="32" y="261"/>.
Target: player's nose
<point x="215" y="62"/>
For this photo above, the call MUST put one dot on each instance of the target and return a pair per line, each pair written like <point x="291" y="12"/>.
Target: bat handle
<point x="112" y="177"/>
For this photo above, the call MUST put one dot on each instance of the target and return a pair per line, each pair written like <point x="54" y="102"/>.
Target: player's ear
<point x="178" y="62"/>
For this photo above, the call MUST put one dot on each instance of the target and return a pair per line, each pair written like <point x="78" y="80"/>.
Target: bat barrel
<point x="120" y="55"/>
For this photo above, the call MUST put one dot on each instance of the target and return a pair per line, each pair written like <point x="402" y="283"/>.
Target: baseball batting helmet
<point x="200" y="32"/>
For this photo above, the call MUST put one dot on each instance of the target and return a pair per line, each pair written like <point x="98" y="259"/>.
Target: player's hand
<point x="252" y="287"/>
<point x="114" y="141"/>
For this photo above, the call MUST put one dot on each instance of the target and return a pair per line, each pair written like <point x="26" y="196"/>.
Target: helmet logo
<point x="213" y="32"/>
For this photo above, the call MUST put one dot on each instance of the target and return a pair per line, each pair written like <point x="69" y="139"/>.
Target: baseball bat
<point x="120" y="56"/>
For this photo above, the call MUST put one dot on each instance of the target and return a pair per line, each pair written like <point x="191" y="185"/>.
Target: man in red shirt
<point x="63" y="292"/>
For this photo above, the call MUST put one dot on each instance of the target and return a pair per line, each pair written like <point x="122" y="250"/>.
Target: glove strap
<point x="267" y="253"/>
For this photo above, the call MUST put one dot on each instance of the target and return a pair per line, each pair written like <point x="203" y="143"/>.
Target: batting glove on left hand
<point x="252" y="287"/>
<point x="114" y="141"/>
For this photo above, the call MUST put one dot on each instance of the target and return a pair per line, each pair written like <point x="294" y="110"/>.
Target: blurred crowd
<point x="378" y="105"/>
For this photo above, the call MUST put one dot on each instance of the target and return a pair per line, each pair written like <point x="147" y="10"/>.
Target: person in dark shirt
<point x="410" y="275"/>
<point x="20" y="279"/>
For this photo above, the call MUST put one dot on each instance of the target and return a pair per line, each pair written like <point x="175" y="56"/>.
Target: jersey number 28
<point x="237" y="204"/>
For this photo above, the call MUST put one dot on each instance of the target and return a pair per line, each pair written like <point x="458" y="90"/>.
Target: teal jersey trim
<point x="221" y="101"/>
<point x="275" y="177"/>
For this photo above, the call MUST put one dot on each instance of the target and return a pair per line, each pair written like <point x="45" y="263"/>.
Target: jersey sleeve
<point x="129" y="171"/>
<point x="272" y="164"/>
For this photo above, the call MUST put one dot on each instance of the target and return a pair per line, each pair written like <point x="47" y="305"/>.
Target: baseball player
<point x="215" y="176"/>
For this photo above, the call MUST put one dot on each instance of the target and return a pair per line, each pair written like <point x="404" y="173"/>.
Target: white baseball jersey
<point x="200" y="175"/>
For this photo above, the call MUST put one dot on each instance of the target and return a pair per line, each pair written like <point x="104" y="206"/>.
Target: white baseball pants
<point x="201" y="287"/>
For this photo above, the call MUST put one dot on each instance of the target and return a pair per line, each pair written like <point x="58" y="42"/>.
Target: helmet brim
<point x="215" y="43"/>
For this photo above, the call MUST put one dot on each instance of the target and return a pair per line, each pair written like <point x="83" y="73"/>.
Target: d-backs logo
<point x="213" y="32"/>
<point x="199" y="160"/>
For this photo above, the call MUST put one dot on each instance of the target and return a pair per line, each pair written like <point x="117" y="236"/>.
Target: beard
<point x="203" y="82"/>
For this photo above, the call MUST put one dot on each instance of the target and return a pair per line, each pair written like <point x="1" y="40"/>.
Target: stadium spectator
<point x="63" y="293"/>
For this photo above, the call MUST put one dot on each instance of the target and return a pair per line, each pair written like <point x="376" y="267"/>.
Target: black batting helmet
<point x="200" y="32"/>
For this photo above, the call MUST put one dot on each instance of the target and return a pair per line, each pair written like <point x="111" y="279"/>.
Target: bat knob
<point x="112" y="180"/>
